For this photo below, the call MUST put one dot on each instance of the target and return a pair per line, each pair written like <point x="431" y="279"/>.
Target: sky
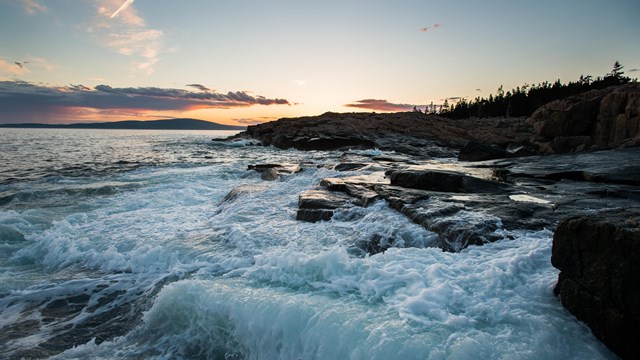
<point x="250" y="61"/>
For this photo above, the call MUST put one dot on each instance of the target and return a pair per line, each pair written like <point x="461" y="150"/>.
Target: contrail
<point x="124" y="6"/>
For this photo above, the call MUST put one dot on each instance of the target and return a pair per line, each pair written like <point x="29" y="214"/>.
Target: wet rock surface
<point x="469" y="204"/>
<point x="598" y="255"/>
<point x="318" y="205"/>
<point x="272" y="172"/>
<point x="610" y="167"/>
<point x="443" y="181"/>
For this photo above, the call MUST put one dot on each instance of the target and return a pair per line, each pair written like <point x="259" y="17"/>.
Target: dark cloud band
<point x="18" y="98"/>
<point x="381" y="105"/>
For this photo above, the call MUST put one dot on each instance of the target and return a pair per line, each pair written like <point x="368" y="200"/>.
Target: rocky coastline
<point x="572" y="167"/>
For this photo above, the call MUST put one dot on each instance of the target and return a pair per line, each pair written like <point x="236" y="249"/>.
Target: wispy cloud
<point x="431" y="27"/>
<point x="24" y="101"/>
<point x="34" y="62"/>
<point x="23" y="67"/>
<point x="633" y="70"/>
<point x="253" y="121"/>
<point x="199" y="87"/>
<point x="381" y="105"/>
<point x="33" y="7"/>
<point x="119" y="27"/>
<point x="12" y="68"/>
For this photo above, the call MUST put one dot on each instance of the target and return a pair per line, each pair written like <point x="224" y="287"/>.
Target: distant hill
<point x="170" y="124"/>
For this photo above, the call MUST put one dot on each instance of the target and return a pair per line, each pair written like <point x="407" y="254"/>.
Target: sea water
<point x="121" y="244"/>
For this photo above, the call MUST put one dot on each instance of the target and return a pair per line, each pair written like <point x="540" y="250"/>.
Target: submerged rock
<point x="272" y="172"/>
<point x="242" y="190"/>
<point x="598" y="256"/>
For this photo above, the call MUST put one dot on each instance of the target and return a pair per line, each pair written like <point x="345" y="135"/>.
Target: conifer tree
<point x="617" y="72"/>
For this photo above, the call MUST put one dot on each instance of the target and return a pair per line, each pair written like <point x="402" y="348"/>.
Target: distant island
<point x="169" y="124"/>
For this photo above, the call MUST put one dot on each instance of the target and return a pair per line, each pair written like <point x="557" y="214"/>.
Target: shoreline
<point x="573" y="163"/>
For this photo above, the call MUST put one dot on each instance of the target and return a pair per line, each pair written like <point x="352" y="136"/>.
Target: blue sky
<point x="252" y="61"/>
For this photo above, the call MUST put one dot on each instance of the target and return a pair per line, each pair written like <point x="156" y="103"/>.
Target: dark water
<point x="120" y="244"/>
<point x="31" y="154"/>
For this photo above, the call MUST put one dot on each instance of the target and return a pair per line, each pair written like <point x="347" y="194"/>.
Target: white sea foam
<point x="241" y="278"/>
<point x="242" y="142"/>
<point x="372" y="152"/>
<point x="485" y="302"/>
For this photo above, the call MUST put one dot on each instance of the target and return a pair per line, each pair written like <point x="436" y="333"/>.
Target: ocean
<point x="121" y="244"/>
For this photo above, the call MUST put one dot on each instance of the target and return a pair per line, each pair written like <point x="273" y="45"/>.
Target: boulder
<point x="349" y="166"/>
<point x="314" y="215"/>
<point x="445" y="181"/>
<point x="598" y="255"/>
<point x="477" y="151"/>
<point x="319" y="205"/>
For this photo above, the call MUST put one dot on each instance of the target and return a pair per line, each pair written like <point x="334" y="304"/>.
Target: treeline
<point x="525" y="99"/>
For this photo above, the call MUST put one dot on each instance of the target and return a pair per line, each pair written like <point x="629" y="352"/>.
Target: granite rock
<point x="598" y="256"/>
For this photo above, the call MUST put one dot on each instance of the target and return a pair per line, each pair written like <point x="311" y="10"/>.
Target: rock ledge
<point x="599" y="260"/>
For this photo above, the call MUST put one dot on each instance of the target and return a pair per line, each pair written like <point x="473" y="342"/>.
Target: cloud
<point x="113" y="13"/>
<point x="24" y="101"/>
<point x="119" y="27"/>
<point x="431" y="28"/>
<point x="633" y="70"/>
<point x="199" y="87"/>
<point x="33" y="7"/>
<point x="381" y="105"/>
<point x="145" y="44"/>
<point x="254" y="121"/>
<point x="299" y="83"/>
<point x="12" y="68"/>
<point x="39" y="63"/>
<point x="20" y="68"/>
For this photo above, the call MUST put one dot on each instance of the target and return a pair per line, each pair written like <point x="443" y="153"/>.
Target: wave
<point x="405" y="303"/>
